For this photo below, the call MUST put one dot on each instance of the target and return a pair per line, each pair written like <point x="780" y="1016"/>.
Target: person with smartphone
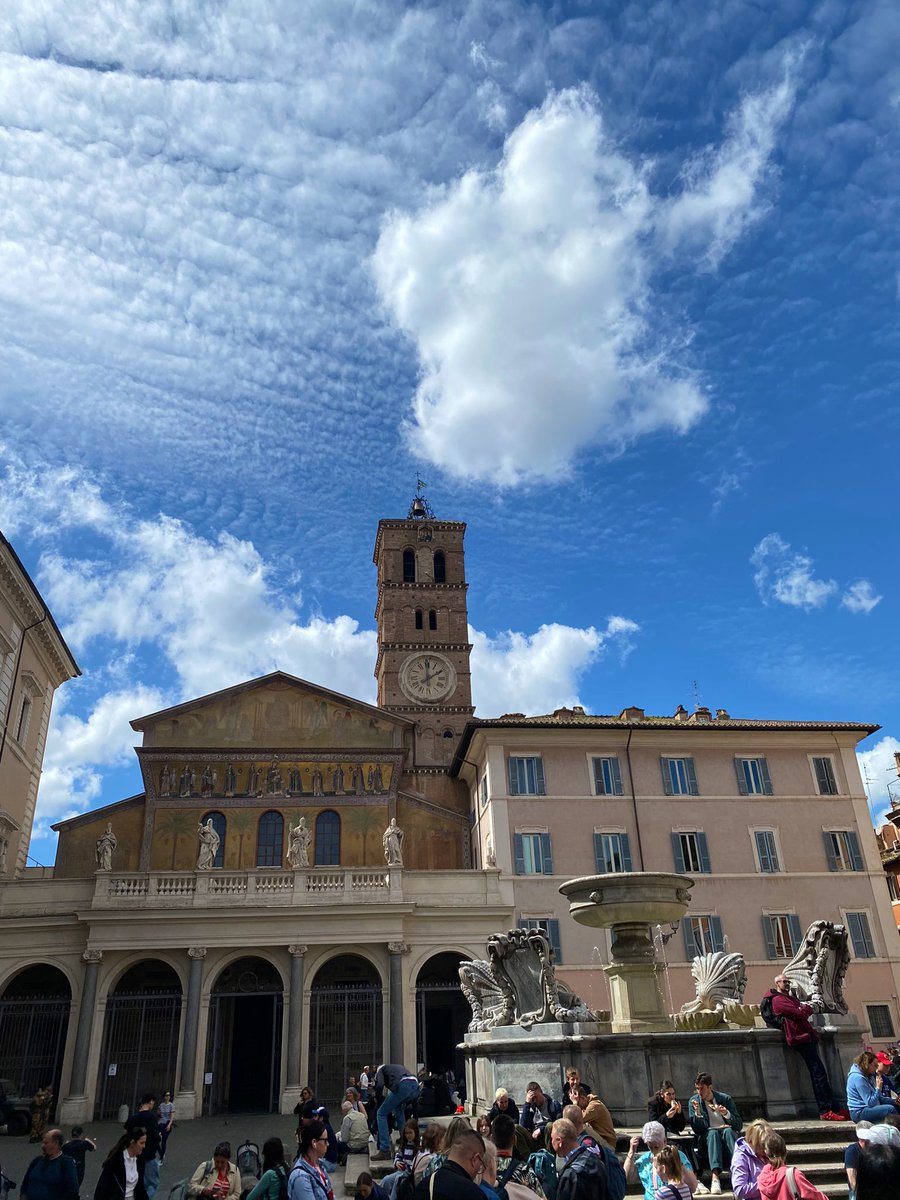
<point x="218" y="1178"/>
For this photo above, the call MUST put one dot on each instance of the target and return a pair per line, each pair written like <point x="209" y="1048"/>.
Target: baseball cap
<point x="884" y="1059"/>
<point x="880" y="1135"/>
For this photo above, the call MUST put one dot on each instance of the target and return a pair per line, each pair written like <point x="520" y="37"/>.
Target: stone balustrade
<point x="274" y="887"/>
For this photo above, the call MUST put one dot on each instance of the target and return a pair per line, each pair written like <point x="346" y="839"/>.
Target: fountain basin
<point x="628" y="898"/>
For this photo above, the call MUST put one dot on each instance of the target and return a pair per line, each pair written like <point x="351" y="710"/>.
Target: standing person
<point x="365" y="1084"/>
<point x="402" y="1086"/>
<point x="122" y="1174"/>
<point x="583" y="1175"/>
<point x="77" y="1148"/>
<point x="715" y="1118"/>
<point x="864" y="1100"/>
<point x="641" y="1166"/>
<point x="800" y="1036"/>
<point x="309" y="1179"/>
<point x="165" y="1118"/>
<point x="52" y="1175"/>
<point x="748" y="1161"/>
<point x="218" y="1178"/>
<point x="779" y="1182"/>
<point x="145" y="1118"/>
<point x="274" y="1172"/>
<point x="538" y="1111"/>
<point x="41" y="1103"/>
<point x="455" y="1179"/>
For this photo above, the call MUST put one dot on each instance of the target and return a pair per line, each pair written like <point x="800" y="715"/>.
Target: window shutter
<point x="825" y="777"/>
<point x="546" y="854"/>
<point x="853" y="847"/>
<point x="690" y="942"/>
<point x="769" y="936"/>
<point x="666" y="776"/>
<point x="599" y="862"/>
<point x="829" y="850"/>
<point x="796" y="932"/>
<point x="616" y="778"/>
<point x="626" y="853"/>
<point x="539" y="777"/>
<point x="677" y="853"/>
<point x="703" y="850"/>
<point x="599" y="789"/>
<point x="513" y="773"/>
<point x="766" y="777"/>
<point x="552" y="925"/>
<point x="741" y="777"/>
<point x="693" y="790"/>
<point x="715" y="933"/>
<point x="520" y="855"/>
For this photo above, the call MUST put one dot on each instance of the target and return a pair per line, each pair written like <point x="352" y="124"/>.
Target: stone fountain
<point x="628" y="903"/>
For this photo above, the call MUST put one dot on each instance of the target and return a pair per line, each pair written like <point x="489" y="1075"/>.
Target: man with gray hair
<point x="52" y="1175"/>
<point x="354" y="1135"/>
<point x="616" y="1182"/>
<point x="640" y="1166"/>
<point x="584" y="1175"/>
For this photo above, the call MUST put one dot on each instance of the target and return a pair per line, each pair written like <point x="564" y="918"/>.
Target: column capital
<point x="94" y="956"/>
<point x="398" y="947"/>
<point x="298" y="949"/>
<point x="196" y="952"/>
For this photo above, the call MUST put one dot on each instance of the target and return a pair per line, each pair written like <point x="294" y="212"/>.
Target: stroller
<point x="249" y="1164"/>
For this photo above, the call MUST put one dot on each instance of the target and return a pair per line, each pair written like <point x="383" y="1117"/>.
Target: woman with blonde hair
<point x="780" y="1182"/>
<point x="748" y="1161"/>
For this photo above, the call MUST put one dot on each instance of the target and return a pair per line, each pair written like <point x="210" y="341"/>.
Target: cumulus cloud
<point x="529" y="290"/>
<point x="787" y="576"/>
<point x="878" y="768"/>
<point x="860" y="597"/>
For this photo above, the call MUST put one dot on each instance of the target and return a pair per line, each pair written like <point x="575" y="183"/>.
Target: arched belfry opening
<point x="34" y="1015"/>
<point x="345" y="1024"/>
<point x="243" y="1044"/>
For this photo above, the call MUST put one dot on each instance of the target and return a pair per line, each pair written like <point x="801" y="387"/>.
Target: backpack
<point x="543" y="1163"/>
<point x="615" y="1173"/>
<point x="767" y="1012"/>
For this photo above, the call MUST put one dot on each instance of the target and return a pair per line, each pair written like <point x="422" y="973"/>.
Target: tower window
<point x="448" y="733"/>
<point x="432" y="619"/>
<point x="440" y="567"/>
<point x="409" y="566"/>
<point x="418" y="618"/>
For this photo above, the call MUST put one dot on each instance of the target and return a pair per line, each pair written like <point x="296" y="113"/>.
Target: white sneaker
<point x="716" y="1187"/>
<point x="701" y="1189"/>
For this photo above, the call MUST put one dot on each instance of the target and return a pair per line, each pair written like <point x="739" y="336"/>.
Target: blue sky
<point x="620" y="282"/>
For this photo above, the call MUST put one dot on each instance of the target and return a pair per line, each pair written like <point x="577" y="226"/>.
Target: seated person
<point x="539" y="1111"/>
<point x="642" y="1167"/>
<point x="573" y="1078"/>
<point x="367" y="1188"/>
<point x="865" y="1099"/>
<point x="714" y="1119"/>
<point x="354" y="1135"/>
<point x="503" y="1105"/>
<point x="665" y="1107"/>
<point x="596" y="1115"/>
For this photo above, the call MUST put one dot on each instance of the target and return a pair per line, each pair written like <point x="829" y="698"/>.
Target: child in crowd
<point x="780" y="1182"/>
<point x="367" y="1188"/>
<point x="671" y="1176"/>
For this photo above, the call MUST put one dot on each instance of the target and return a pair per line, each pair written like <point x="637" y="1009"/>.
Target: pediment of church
<point x="275" y="711"/>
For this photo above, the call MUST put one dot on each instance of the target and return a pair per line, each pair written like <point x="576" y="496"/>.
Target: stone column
<point x="74" y="1106"/>
<point x="186" y="1098"/>
<point x="395" y="1000"/>
<point x="291" y="1094"/>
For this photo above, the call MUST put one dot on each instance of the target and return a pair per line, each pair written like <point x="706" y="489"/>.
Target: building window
<point x="24" y="716"/>
<point x="860" y="935"/>
<point x="440" y="567"/>
<point x="409" y="566"/>
<point x="549" y="926"/>
<point x="753" y="777"/>
<point x="612" y="852"/>
<point x="526" y="775"/>
<point x="419" y="618"/>
<point x="766" y="851"/>
<point x="218" y="822"/>
<point x="782" y="934"/>
<point x="880" y="1021"/>
<point x="893" y="887"/>
<point x="702" y="935"/>
<point x="534" y="855"/>
<point x="270" y="840"/>
<point x="607" y="776"/>
<point x="328" y="839"/>
<point x="842" y="850"/>
<point x="483" y="790"/>
<point x="825" y="778"/>
<point x="432" y="619"/>
<point x="690" y="852"/>
<point x="679" y="777"/>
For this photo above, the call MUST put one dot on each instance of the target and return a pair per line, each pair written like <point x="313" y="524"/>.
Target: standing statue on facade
<point x="209" y="845"/>
<point x="106" y="843"/>
<point x="166" y="781"/>
<point x="393" y="844"/>
<point x="298" y="850"/>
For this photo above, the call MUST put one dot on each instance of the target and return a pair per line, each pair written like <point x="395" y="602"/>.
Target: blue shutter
<point x="741" y="777"/>
<point x="626" y="852"/>
<point x="546" y="854"/>
<point x="693" y="790"/>
<point x="540" y="790"/>
<point x="829" y="850"/>
<point x="769" y="937"/>
<point x="795" y="931"/>
<point x="766" y="777"/>
<point x="599" y="859"/>
<point x="860" y="935"/>
<point x="666" y="776"/>
<point x="513" y="776"/>
<point x="703" y="850"/>
<point x="616" y="778"/>
<point x="552" y="926"/>
<point x="677" y="853"/>
<point x="690" y="944"/>
<point x="853" y="847"/>
<point x="520" y="856"/>
<point x="715" y="933"/>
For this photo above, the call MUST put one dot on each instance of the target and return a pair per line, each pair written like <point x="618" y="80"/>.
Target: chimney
<point x="700" y="716"/>
<point x="681" y="713"/>
<point x="633" y="713"/>
<point x="722" y="714"/>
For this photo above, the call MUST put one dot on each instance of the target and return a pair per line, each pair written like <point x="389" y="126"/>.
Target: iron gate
<point x="140" y="1048"/>
<point x="32" y="1038"/>
<point x="344" y="1035"/>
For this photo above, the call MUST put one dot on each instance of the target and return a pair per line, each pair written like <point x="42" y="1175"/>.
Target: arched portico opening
<point x="442" y="1014"/>
<point x="140" y="1037"/>
<point x="243" y="1047"/>
<point x="34" y="1016"/>
<point x="345" y="1024"/>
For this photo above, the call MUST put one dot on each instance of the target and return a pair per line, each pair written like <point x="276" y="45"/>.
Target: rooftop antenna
<point x="696" y="692"/>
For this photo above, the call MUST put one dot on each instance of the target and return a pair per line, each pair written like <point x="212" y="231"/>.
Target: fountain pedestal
<point x="629" y="904"/>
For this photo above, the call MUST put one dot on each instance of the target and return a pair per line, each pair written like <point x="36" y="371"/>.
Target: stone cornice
<point x="17" y="586"/>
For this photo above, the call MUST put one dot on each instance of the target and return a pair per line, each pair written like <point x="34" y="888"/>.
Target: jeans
<point x="874" y="1112"/>
<point x="809" y="1052"/>
<point x="716" y="1140"/>
<point x="405" y="1091"/>
<point x="151" y="1177"/>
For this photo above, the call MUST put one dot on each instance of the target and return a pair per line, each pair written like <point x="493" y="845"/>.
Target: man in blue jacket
<point x="538" y="1111"/>
<point x="52" y="1175"/>
<point x="584" y="1174"/>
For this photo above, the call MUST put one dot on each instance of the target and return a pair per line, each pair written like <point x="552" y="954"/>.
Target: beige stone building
<point x="252" y="904"/>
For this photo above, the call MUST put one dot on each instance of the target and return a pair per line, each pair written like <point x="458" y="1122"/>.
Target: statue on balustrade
<point x="209" y="845"/>
<point x="106" y="843"/>
<point x="392" y="841"/>
<point x="298" y="850"/>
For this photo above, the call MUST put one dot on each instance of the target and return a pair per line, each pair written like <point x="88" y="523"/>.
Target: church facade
<point x="290" y="894"/>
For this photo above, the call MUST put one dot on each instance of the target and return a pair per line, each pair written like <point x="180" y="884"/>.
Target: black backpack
<point x="768" y="1014"/>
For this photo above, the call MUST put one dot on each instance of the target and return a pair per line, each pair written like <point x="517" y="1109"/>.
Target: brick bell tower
<point x="423" y="640"/>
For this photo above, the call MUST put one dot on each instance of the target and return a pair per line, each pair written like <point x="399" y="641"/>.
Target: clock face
<point x="427" y="677"/>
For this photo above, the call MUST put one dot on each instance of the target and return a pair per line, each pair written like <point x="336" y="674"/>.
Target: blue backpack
<point x="543" y="1163"/>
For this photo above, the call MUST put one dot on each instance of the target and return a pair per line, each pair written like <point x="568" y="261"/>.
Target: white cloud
<point x="860" y="597"/>
<point x="786" y="576"/>
<point x="537" y="673"/>
<point x="879" y="768"/>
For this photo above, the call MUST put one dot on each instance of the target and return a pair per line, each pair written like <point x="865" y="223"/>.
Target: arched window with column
<point x="328" y="839"/>
<point x="418" y="618"/>
<point x="218" y="824"/>
<point x="440" y="567"/>
<point x="270" y="840"/>
<point x="409" y="566"/>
